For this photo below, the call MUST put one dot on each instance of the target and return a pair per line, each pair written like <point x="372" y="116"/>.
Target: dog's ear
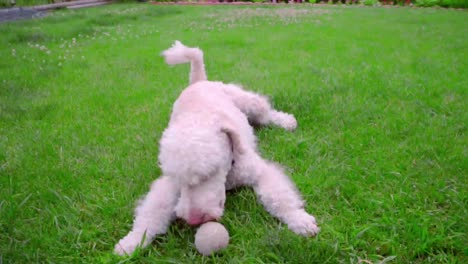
<point x="236" y="140"/>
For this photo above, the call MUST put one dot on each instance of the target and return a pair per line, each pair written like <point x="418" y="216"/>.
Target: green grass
<point x="380" y="154"/>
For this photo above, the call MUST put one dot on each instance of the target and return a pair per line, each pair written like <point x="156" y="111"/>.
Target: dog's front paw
<point x="303" y="224"/>
<point x="290" y="122"/>
<point x="129" y="243"/>
<point x="286" y="121"/>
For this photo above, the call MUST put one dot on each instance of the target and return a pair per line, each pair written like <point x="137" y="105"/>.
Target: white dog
<point x="210" y="147"/>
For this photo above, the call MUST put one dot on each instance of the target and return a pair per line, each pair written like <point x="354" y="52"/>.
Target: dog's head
<point x="202" y="202"/>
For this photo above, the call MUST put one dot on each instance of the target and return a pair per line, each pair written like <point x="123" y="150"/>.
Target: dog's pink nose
<point x="195" y="222"/>
<point x="196" y="217"/>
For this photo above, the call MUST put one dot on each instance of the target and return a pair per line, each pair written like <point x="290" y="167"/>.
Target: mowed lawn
<point x="380" y="153"/>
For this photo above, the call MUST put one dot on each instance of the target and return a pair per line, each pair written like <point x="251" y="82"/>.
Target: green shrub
<point x="370" y="2"/>
<point x="400" y="2"/>
<point x="9" y="3"/>
<point x="427" y="3"/>
<point x="444" y="3"/>
<point x="454" y="3"/>
<point x="4" y="3"/>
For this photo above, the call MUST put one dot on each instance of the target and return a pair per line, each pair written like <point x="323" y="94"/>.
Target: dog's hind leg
<point x="276" y="192"/>
<point x="258" y="109"/>
<point x="152" y="216"/>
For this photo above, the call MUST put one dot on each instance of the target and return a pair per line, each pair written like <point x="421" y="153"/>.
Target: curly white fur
<point x="208" y="147"/>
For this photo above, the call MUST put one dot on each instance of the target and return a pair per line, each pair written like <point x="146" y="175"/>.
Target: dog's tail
<point x="179" y="53"/>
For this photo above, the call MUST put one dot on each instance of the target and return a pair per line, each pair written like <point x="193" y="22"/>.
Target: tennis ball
<point x="211" y="237"/>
